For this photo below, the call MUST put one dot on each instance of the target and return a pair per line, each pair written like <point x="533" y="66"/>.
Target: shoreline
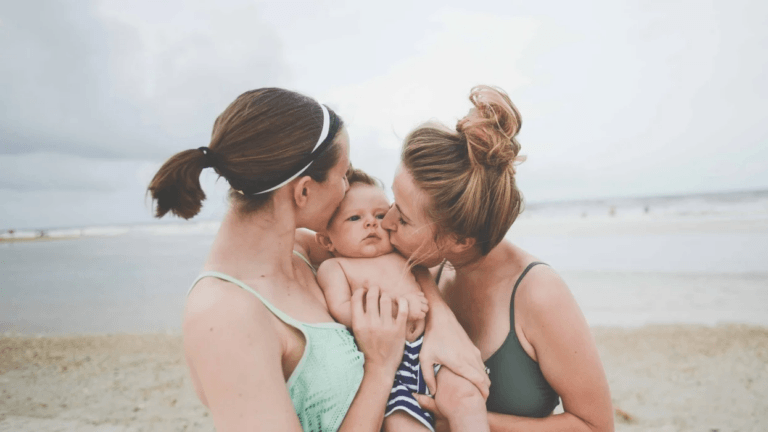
<point x="663" y="378"/>
<point x="529" y="223"/>
<point x="36" y="239"/>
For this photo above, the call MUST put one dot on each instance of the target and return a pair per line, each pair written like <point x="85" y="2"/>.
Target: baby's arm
<point x="417" y="312"/>
<point x="338" y="295"/>
<point x="417" y="306"/>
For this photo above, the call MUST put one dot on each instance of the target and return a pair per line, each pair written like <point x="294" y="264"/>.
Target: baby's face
<point x="355" y="231"/>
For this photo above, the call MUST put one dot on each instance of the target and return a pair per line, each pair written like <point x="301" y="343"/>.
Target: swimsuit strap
<point x="303" y="258"/>
<point x="440" y="271"/>
<point x="514" y="290"/>
<point x="278" y="313"/>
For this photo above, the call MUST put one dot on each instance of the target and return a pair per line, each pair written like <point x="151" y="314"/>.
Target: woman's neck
<point x="483" y="273"/>
<point x="256" y="245"/>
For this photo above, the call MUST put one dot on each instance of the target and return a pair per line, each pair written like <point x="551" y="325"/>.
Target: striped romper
<point x="408" y="379"/>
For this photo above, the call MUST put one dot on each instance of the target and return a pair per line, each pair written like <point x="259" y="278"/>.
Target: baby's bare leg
<point x="402" y="421"/>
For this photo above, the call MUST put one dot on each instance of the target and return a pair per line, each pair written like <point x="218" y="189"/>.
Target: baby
<point x="363" y="256"/>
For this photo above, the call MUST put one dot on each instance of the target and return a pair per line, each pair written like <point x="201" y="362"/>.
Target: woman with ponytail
<point x="455" y="200"/>
<point x="263" y="350"/>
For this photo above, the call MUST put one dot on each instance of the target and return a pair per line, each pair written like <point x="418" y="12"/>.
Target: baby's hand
<point x="417" y="306"/>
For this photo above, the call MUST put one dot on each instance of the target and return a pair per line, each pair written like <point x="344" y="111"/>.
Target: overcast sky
<point x="618" y="98"/>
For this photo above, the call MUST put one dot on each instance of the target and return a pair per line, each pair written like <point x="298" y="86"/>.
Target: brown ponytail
<point x="469" y="173"/>
<point x="176" y="186"/>
<point x="260" y="137"/>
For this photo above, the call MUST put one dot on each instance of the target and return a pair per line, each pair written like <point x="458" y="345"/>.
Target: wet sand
<point x="662" y="378"/>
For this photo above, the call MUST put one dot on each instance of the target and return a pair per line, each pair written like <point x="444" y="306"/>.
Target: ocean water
<point x="135" y="282"/>
<point x="697" y="259"/>
<point x="744" y="204"/>
<point x="690" y="263"/>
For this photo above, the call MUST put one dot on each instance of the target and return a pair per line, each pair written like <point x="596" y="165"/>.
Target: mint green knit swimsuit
<point x="329" y="373"/>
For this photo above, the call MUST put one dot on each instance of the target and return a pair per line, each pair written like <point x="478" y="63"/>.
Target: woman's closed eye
<point x="400" y="219"/>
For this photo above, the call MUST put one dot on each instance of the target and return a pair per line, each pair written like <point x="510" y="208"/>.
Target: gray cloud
<point x="84" y="82"/>
<point x="56" y="172"/>
<point x="618" y="98"/>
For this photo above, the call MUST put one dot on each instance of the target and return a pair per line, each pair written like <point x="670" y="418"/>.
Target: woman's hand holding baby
<point x="379" y="334"/>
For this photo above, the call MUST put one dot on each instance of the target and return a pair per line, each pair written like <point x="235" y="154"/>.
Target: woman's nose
<point x="388" y="223"/>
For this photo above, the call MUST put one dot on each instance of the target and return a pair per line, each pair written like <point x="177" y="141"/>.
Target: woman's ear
<point x="324" y="241"/>
<point x="301" y="191"/>
<point x="458" y="245"/>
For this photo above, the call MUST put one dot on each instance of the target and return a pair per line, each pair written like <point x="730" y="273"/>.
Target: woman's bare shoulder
<point x="211" y="294"/>
<point x="545" y="306"/>
<point x="215" y="304"/>
<point x="541" y="289"/>
<point x="234" y="350"/>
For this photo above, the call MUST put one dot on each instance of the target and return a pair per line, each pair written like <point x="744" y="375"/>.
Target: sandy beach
<point x="662" y="378"/>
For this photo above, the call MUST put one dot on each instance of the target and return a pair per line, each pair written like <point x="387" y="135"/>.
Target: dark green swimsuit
<point x="517" y="385"/>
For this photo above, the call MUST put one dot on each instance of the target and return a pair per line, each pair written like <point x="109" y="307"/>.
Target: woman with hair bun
<point x="263" y="351"/>
<point x="455" y="199"/>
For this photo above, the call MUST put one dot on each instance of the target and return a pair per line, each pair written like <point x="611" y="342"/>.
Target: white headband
<point x="323" y="135"/>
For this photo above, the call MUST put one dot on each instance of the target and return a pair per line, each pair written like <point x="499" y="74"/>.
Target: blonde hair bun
<point x="469" y="173"/>
<point x="490" y="128"/>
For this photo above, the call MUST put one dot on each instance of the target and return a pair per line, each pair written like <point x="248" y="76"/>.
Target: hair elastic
<point x="210" y="159"/>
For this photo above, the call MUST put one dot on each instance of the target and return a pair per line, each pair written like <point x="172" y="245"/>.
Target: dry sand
<point x="662" y="378"/>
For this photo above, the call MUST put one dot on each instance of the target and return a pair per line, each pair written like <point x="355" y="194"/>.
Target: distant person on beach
<point x="363" y="255"/>
<point x="455" y="199"/>
<point x="262" y="348"/>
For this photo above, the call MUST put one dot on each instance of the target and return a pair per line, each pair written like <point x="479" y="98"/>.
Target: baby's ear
<point x="324" y="241"/>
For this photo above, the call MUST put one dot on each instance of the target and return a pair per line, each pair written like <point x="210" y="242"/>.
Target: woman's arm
<point x="566" y="352"/>
<point x="558" y="422"/>
<point x="381" y="338"/>
<point x="446" y="342"/>
<point x="458" y="406"/>
<point x="233" y="349"/>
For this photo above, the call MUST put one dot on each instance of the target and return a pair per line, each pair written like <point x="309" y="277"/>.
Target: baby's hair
<point x="358" y="176"/>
